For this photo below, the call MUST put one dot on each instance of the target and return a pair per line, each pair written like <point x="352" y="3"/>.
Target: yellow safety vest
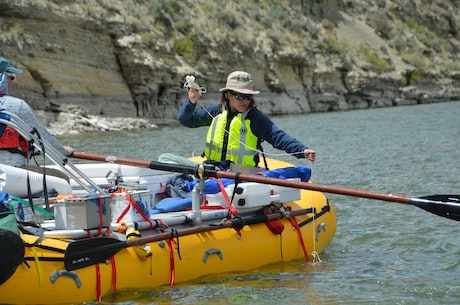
<point x="242" y="143"/>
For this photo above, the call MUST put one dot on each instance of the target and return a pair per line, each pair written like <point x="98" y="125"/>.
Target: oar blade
<point x="445" y="198"/>
<point x="90" y="251"/>
<point x="447" y="206"/>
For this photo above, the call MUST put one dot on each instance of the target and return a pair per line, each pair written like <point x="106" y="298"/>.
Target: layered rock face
<point x="130" y="58"/>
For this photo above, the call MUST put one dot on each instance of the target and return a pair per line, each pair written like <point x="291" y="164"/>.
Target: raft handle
<point x="63" y="273"/>
<point x="210" y="252"/>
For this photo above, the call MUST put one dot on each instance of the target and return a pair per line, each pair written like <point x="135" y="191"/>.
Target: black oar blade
<point x="81" y="253"/>
<point x="446" y="198"/>
<point x="443" y="205"/>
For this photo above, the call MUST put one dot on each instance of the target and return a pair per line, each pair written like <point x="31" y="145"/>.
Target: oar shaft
<point x="110" y="159"/>
<point x="316" y="187"/>
<point x="135" y="162"/>
<point x="447" y="207"/>
<point x="245" y="177"/>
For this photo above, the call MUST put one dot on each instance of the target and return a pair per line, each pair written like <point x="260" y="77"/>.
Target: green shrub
<point x="373" y="58"/>
<point x="416" y="59"/>
<point x="412" y="76"/>
<point x="185" y="47"/>
<point x="382" y="26"/>
<point x="333" y="46"/>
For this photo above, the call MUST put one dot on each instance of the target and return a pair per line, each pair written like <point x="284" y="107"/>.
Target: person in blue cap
<point x="13" y="147"/>
<point x="8" y="73"/>
<point x="10" y="153"/>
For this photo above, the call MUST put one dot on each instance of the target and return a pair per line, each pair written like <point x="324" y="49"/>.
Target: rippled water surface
<point x="383" y="252"/>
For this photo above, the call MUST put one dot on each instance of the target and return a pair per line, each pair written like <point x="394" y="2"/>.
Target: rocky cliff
<point x="130" y="58"/>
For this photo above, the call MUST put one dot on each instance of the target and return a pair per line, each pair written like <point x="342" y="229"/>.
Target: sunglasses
<point x="11" y="76"/>
<point x="241" y="97"/>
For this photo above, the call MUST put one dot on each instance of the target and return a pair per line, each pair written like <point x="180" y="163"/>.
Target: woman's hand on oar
<point x="448" y="206"/>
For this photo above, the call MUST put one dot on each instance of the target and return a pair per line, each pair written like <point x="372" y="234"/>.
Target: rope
<point x="247" y="146"/>
<point x="39" y="267"/>
<point x="316" y="259"/>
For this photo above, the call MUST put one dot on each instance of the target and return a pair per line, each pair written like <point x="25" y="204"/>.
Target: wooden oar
<point x="90" y="251"/>
<point x="443" y="205"/>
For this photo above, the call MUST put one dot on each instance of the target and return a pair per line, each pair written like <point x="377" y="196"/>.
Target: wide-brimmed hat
<point x="6" y="67"/>
<point x="240" y="81"/>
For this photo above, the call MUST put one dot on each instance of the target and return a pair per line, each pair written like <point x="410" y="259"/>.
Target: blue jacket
<point x="261" y="126"/>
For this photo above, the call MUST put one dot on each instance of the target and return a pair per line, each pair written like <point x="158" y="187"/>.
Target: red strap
<point x="171" y="261"/>
<point x="88" y="231"/>
<point x="166" y="190"/>
<point x="98" y="283"/>
<point x="98" y="275"/>
<point x="294" y="223"/>
<point x="138" y="208"/>
<point x="98" y="271"/>
<point x="124" y="211"/>
<point x="232" y="210"/>
<point x="123" y="214"/>
<point x="114" y="273"/>
<point x="135" y="205"/>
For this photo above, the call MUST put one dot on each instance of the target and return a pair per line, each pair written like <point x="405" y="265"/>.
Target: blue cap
<point x="6" y="67"/>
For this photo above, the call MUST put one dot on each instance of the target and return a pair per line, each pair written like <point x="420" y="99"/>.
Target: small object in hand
<point x="190" y="83"/>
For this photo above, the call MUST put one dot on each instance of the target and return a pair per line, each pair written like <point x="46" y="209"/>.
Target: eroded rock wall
<point x="129" y="58"/>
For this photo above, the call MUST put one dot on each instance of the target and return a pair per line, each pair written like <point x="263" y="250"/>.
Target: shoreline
<point x="68" y="124"/>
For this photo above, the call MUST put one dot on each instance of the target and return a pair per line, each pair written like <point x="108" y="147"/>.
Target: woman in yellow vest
<point x="237" y="127"/>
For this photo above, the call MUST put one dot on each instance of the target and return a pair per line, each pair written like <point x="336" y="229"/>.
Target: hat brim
<point x="13" y="70"/>
<point x="243" y="91"/>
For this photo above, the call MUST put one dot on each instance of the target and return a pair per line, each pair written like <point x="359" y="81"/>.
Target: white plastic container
<point x="82" y="213"/>
<point x="252" y="195"/>
<point x="125" y="202"/>
<point x="281" y="194"/>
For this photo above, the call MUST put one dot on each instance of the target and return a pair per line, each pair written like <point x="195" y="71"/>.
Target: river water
<point x="383" y="252"/>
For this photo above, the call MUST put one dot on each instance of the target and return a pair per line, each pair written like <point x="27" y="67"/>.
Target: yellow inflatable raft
<point x="58" y="270"/>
